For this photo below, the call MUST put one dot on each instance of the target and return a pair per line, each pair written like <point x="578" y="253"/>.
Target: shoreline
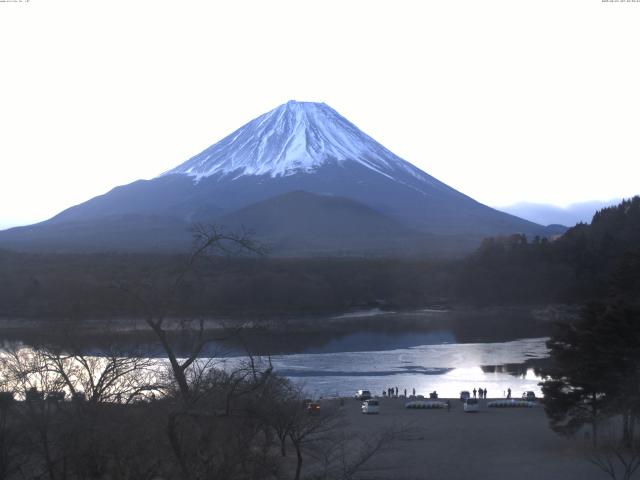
<point x="416" y="319"/>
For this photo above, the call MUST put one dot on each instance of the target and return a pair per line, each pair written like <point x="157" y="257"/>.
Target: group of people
<point x="481" y="393"/>
<point x="390" y="392"/>
<point x="477" y="393"/>
<point x="393" y="392"/>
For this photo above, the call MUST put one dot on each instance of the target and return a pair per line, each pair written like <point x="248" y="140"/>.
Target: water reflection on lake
<point x="447" y="368"/>
<point x="443" y="351"/>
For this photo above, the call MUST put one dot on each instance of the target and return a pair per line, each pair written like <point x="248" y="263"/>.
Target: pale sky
<point x="506" y="101"/>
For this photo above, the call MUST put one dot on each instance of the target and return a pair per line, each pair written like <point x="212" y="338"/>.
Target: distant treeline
<point x="584" y="263"/>
<point x="88" y="286"/>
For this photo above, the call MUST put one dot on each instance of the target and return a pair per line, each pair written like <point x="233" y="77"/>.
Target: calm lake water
<point x="426" y="350"/>
<point x="446" y="368"/>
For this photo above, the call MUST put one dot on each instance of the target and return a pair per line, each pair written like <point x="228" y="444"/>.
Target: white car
<point x="370" y="406"/>
<point x="362" y="395"/>
<point x="471" y="405"/>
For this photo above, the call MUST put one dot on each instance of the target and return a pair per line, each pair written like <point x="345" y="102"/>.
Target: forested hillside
<point x="582" y="264"/>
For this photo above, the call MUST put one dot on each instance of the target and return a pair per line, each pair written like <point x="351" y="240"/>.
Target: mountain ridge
<point x="547" y="214"/>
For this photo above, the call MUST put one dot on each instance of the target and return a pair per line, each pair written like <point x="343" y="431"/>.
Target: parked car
<point x="471" y="405"/>
<point x="363" y="395"/>
<point x="313" y="407"/>
<point x="464" y="395"/>
<point x="370" y="406"/>
<point x="529" y="396"/>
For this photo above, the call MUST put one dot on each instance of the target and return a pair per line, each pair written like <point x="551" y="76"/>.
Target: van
<point x="370" y="406"/>
<point x="471" y="405"/>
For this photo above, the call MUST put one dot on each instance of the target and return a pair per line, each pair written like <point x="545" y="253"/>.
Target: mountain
<point x="302" y="223"/>
<point x="297" y="147"/>
<point x="546" y="214"/>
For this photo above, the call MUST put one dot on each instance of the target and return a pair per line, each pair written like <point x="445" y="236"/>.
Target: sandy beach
<point x="495" y="443"/>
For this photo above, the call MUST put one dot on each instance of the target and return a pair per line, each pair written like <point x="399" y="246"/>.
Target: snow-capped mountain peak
<point x="296" y="137"/>
<point x="303" y="177"/>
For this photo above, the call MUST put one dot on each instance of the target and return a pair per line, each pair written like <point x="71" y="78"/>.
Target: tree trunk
<point x="594" y="420"/>
<point x="626" y="441"/>
<point x="172" y="432"/>
<point x="299" y="463"/>
<point x="178" y="372"/>
<point x="47" y="455"/>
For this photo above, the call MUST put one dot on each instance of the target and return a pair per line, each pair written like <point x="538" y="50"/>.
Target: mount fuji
<point x="297" y="137"/>
<point x="303" y="177"/>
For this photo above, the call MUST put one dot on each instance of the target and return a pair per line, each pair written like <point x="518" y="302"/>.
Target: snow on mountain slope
<point x="297" y="137"/>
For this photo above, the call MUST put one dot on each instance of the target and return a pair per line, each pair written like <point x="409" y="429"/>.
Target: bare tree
<point x="309" y="429"/>
<point x="158" y="299"/>
<point x="200" y="385"/>
<point x="25" y="372"/>
<point x="345" y="456"/>
<point x="278" y="409"/>
<point x="618" y="461"/>
<point x="211" y="420"/>
<point x="114" y="377"/>
<point x="62" y="440"/>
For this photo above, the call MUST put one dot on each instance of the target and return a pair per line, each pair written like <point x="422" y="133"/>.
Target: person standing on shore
<point x="474" y="393"/>
<point x="509" y="392"/>
<point x="397" y="391"/>
<point x="414" y="392"/>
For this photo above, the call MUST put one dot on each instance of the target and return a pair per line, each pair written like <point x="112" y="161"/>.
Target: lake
<point x="442" y="351"/>
<point x="444" y="367"/>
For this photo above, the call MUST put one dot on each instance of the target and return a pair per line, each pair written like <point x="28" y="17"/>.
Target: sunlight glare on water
<point x="445" y="368"/>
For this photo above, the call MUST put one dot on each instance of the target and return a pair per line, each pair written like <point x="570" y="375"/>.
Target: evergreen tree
<point x="596" y="370"/>
<point x="574" y="391"/>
